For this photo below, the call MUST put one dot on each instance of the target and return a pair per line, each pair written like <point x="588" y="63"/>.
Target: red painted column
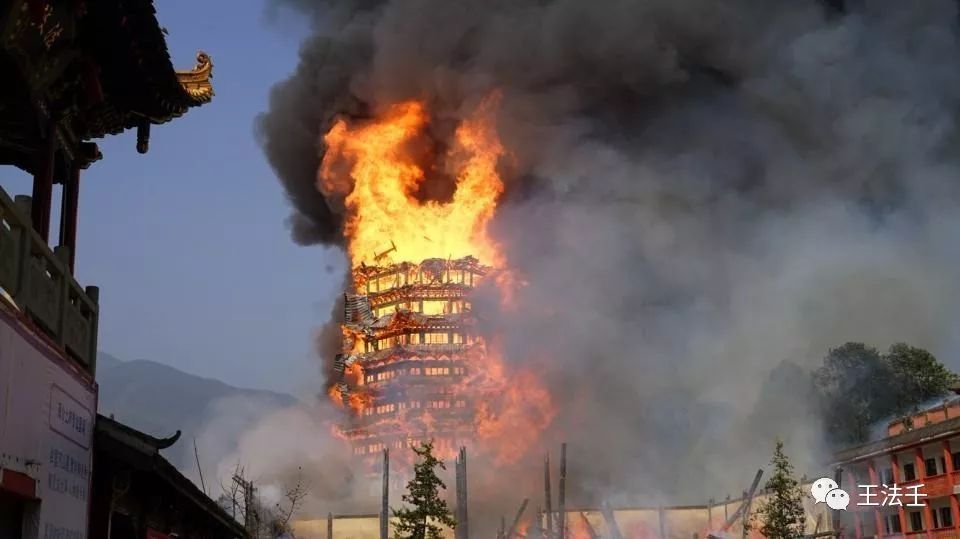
<point x="68" y="215"/>
<point x="901" y="514"/>
<point x="922" y="475"/>
<point x="43" y="184"/>
<point x="874" y="480"/>
<point x="955" y="511"/>
<point x="951" y="480"/>
<point x="851" y="489"/>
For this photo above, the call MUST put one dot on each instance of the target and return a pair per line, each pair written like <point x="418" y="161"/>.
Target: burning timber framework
<point x="409" y="351"/>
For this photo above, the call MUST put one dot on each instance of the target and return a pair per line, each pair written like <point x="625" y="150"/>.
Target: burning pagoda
<point x="409" y="347"/>
<point x="413" y="365"/>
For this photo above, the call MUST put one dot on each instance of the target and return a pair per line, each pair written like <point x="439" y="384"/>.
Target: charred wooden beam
<point x="743" y="506"/>
<point x="589" y="528"/>
<point x="662" y="521"/>
<point x="385" y="500"/>
<point x="462" y="529"/>
<point x="613" y="529"/>
<point x="548" y="495"/>
<point x="516" y="519"/>
<point x="562" y="524"/>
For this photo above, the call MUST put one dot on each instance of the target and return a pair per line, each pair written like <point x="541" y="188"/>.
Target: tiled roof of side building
<point x="907" y="439"/>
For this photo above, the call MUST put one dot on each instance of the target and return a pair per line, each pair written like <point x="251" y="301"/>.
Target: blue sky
<point x="188" y="243"/>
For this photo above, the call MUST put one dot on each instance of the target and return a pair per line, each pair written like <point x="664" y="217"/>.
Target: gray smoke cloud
<point x="703" y="196"/>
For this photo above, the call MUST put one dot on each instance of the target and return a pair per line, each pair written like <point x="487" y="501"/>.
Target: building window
<point x="956" y="460"/>
<point x="437" y="338"/>
<point x="432" y="307"/>
<point x="916" y="521"/>
<point x="930" y="466"/>
<point x="946" y="517"/>
<point x="942" y="518"/>
<point x="892" y="523"/>
<point x="886" y="476"/>
<point x="909" y="472"/>
<point x="416" y="371"/>
<point x="461" y="404"/>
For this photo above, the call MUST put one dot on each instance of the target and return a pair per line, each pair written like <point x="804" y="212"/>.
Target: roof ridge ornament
<point x="196" y="82"/>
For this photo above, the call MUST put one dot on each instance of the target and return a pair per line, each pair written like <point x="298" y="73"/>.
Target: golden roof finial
<point x="196" y="82"/>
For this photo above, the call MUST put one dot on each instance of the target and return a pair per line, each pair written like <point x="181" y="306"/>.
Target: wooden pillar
<point x="385" y="501"/>
<point x="662" y="522"/>
<point x="43" y="183"/>
<point x="901" y="513"/>
<point x="329" y="525"/>
<point x="462" y="530"/>
<point x="562" y="525"/>
<point x="547" y="495"/>
<point x="874" y="480"/>
<point x="68" y="213"/>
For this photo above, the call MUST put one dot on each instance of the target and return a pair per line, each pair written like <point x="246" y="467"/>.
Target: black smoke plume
<point x="698" y="192"/>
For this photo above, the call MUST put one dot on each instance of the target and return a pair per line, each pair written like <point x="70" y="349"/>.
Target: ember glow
<point x="413" y="366"/>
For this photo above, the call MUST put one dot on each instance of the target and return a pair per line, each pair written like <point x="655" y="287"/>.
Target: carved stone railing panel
<point x="40" y="283"/>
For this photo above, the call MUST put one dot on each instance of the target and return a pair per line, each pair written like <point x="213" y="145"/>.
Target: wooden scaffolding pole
<point x="462" y="529"/>
<point x="562" y="525"/>
<point x="385" y="501"/>
<point x="516" y="519"/>
<point x="588" y="526"/>
<point x="611" y="521"/>
<point x="547" y="495"/>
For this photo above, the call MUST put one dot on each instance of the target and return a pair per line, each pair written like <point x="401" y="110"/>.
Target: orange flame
<point x="381" y="203"/>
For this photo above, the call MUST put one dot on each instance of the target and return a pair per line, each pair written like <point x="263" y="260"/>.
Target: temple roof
<point x="91" y="68"/>
<point x="142" y="83"/>
<point x="118" y="443"/>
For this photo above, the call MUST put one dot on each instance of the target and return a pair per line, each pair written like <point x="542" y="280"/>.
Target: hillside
<point x="159" y="400"/>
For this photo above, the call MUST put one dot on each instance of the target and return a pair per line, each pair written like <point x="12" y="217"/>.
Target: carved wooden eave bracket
<point x="196" y="82"/>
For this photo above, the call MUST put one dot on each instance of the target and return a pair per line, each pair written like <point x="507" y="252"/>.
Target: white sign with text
<point x="47" y="414"/>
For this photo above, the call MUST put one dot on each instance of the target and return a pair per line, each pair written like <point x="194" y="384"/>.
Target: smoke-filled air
<point x="678" y="199"/>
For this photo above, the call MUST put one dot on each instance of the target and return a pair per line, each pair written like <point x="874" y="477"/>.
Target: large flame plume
<point x="380" y="193"/>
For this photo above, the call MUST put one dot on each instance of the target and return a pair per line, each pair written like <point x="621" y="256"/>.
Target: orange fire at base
<point x="413" y="365"/>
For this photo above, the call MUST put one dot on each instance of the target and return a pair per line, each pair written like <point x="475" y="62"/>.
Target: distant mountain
<point x="160" y="400"/>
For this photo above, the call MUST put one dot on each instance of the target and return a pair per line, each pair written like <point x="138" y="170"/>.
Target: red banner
<point x="154" y="534"/>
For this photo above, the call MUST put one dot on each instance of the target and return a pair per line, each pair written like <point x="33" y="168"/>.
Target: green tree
<point x="427" y="509"/>
<point x="855" y="387"/>
<point x="782" y="515"/>
<point x="918" y="376"/>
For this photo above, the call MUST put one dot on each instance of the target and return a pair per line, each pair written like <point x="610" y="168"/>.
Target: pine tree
<point x="419" y="521"/>
<point x="783" y="514"/>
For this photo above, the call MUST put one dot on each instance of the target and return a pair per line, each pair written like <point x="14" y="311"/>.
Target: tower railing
<point x="39" y="282"/>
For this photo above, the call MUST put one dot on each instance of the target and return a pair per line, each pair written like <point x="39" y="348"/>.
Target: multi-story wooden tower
<point x="409" y="348"/>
